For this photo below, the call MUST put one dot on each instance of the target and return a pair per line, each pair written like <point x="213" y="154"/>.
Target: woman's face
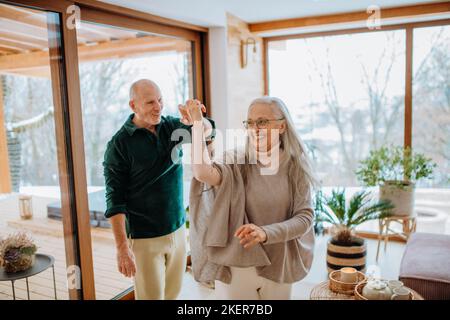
<point x="264" y="134"/>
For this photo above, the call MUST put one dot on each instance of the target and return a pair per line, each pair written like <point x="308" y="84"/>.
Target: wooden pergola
<point x="24" y="50"/>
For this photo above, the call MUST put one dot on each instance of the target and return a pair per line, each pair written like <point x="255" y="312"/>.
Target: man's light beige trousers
<point x="247" y="285"/>
<point x="160" y="266"/>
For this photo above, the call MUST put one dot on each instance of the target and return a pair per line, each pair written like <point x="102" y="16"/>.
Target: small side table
<point x="42" y="263"/>
<point x="385" y="232"/>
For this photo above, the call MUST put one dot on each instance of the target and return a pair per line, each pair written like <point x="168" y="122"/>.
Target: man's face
<point x="147" y="104"/>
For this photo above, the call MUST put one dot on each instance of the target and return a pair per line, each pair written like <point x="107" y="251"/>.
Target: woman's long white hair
<point x="291" y="143"/>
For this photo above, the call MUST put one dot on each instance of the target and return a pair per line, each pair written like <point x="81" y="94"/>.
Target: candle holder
<point x="26" y="207"/>
<point x="338" y="286"/>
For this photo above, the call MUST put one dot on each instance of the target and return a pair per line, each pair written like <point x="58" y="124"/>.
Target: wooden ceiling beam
<point x="20" y="62"/>
<point x="7" y="50"/>
<point x="386" y="13"/>
<point x="25" y="39"/>
<point x="31" y="18"/>
<point x="22" y="29"/>
<point x="25" y="21"/>
<point x="18" y="45"/>
<point x="37" y="72"/>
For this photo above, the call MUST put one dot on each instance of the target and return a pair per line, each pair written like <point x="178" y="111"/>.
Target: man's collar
<point x="131" y="127"/>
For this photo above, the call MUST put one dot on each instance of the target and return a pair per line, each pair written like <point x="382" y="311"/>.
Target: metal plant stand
<point x="42" y="263"/>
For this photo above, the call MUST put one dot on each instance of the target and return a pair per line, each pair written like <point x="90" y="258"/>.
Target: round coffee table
<point x="42" y="262"/>
<point x="323" y="292"/>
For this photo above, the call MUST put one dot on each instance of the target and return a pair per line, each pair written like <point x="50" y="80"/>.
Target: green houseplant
<point x="395" y="170"/>
<point x="344" y="248"/>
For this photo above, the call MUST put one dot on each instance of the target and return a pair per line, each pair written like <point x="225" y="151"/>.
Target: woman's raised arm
<point x="202" y="165"/>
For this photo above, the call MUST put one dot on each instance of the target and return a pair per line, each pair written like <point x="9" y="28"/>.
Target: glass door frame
<point x="68" y="112"/>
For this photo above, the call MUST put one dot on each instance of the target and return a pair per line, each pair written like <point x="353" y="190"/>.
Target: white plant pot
<point x="401" y="195"/>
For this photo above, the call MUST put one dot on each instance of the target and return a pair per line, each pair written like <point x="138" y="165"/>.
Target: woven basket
<point x="336" y="285"/>
<point x="360" y="286"/>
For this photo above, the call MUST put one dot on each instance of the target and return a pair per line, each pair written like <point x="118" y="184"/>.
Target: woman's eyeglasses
<point x="260" y="123"/>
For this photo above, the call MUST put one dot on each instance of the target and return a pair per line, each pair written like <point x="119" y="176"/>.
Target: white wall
<point x="218" y="76"/>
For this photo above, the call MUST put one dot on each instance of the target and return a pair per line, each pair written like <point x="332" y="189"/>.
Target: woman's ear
<point x="283" y="127"/>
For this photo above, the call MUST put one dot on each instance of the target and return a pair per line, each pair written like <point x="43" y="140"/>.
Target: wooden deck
<point x="48" y="236"/>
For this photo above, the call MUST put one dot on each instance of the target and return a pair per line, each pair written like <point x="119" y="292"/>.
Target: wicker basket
<point x="360" y="286"/>
<point x="336" y="285"/>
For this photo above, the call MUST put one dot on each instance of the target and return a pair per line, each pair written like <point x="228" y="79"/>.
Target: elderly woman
<point x="251" y="216"/>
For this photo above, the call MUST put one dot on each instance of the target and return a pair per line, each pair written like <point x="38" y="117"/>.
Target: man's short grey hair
<point x="138" y="83"/>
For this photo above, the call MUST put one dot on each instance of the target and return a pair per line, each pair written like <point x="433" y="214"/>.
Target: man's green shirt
<point x="144" y="177"/>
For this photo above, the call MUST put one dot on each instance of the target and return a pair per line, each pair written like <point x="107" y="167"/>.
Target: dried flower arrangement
<point x="17" y="252"/>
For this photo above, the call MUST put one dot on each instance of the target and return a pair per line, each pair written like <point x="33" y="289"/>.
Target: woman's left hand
<point x="250" y="235"/>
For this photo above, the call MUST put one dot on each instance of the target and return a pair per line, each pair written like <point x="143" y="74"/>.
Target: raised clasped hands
<point x="191" y="111"/>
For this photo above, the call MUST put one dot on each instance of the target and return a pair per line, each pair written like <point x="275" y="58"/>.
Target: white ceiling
<point x="211" y="13"/>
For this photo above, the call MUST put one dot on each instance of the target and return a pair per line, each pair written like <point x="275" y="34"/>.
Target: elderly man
<point x="144" y="195"/>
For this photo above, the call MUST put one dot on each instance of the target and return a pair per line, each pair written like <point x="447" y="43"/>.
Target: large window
<point x="351" y="92"/>
<point x="431" y="99"/>
<point x="345" y="94"/>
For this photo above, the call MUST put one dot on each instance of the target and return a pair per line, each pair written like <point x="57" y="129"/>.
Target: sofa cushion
<point x="425" y="265"/>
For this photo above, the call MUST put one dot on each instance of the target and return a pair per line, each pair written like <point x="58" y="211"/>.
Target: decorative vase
<point x="401" y="195"/>
<point x="340" y="255"/>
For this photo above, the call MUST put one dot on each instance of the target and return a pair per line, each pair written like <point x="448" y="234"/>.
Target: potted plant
<point x="17" y="252"/>
<point x="344" y="248"/>
<point x="395" y="170"/>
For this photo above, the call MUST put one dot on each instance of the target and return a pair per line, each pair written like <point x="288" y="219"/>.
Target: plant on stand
<point x="395" y="170"/>
<point x="345" y="249"/>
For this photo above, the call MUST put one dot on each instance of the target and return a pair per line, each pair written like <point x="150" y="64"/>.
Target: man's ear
<point x="131" y="104"/>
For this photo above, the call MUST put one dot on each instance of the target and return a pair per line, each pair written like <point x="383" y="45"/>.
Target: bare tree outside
<point x="346" y="94"/>
<point x="343" y="114"/>
<point x="104" y="97"/>
<point x="431" y="99"/>
<point x="25" y="98"/>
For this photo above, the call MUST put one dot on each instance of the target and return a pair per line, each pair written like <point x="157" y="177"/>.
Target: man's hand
<point x="250" y="235"/>
<point x="125" y="261"/>
<point x="191" y="111"/>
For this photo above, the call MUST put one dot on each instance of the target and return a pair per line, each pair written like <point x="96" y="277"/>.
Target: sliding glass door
<point x="110" y="60"/>
<point x="63" y="94"/>
<point x="36" y="181"/>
